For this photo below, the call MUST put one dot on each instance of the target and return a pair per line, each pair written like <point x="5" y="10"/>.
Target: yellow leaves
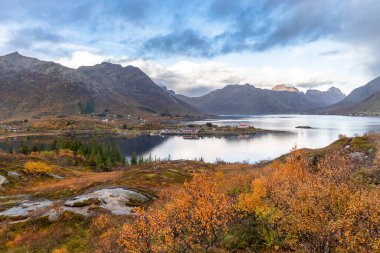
<point x="192" y="218"/>
<point x="362" y="221"/>
<point x="314" y="207"/>
<point x="66" y="152"/>
<point x="37" y="168"/>
<point x="105" y="228"/>
<point x="60" y="250"/>
<point x="247" y="202"/>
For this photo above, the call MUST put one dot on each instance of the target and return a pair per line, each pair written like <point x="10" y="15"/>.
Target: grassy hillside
<point x="370" y="105"/>
<point x="324" y="200"/>
<point x="352" y="103"/>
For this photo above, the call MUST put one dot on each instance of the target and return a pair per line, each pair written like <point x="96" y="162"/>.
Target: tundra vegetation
<point x="325" y="200"/>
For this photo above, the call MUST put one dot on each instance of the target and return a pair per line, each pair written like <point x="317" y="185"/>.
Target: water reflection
<point x="252" y="148"/>
<point x="141" y="145"/>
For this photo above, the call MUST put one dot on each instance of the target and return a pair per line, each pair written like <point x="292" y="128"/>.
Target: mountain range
<point x="247" y="99"/>
<point x="362" y="100"/>
<point x="30" y="87"/>
<point x="33" y="88"/>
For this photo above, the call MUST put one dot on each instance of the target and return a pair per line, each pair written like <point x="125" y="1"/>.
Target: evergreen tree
<point x="134" y="158"/>
<point x="88" y="108"/>
<point x="141" y="160"/>
<point x="150" y="158"/>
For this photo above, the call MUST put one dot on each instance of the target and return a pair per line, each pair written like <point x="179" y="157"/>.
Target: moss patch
<point x="87" y="202"/>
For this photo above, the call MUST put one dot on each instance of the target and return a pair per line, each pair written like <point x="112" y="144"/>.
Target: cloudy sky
<point x="197" y="46"/>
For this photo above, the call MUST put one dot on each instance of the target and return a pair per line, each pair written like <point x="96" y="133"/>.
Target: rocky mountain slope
<point x="370" y="105"/>
<point x="247" y="99"/>
<point x="331" y="96"/>
<point x="30" y="87"/>
<point x="283" y="87"/>
<point x="363" y="99"/>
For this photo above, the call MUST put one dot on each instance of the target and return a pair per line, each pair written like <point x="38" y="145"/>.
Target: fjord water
<point x="325" y="130"/>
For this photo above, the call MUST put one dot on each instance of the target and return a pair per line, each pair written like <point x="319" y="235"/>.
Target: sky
<point x="196" y="46"/>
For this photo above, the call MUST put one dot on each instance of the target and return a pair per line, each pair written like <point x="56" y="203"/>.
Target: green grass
<point x="137" y="202"/>
<point x="87" y="202"/>
<point x="362" y="144"/>
<point x="367" y="176"/>
<point x="174" y="175"/>
<point x="41" y="235"/>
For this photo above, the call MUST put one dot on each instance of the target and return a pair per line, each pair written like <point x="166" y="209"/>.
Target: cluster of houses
<point x="182" y="131"/>
<point x="110" y="118"/>
<point x="9" y="128"/>
<point x="194" y="130"/>
<point x="243" y="126"/>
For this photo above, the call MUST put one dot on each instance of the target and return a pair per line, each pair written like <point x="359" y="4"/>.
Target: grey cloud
<point x="182" y="28"/>
<point x="25" y="38"/>
<point x="313" y="84"/>
<point x="254" y="26"/>
<point x="187" y="42"/>
<point x="196" y="91"/>
<point x="331" y="53"/>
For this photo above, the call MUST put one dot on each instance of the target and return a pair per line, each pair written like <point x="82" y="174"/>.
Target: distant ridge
<point x="364" y="99"/>
<point x="30" y="87"/>
<point x="247" y="99"/>
<point x="370" y="105"/>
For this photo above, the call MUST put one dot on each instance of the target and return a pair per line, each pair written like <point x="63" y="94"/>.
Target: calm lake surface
<point x="249" y="149"/>
<point x="326" y="129"/>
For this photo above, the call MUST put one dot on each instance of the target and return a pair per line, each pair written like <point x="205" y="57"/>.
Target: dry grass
<point x="76" y="183"/>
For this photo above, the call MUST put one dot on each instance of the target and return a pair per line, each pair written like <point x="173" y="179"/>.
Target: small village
<point x="210" y="130"/>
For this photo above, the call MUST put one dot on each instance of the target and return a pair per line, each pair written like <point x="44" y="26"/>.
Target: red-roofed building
<point x="244" y="126"/>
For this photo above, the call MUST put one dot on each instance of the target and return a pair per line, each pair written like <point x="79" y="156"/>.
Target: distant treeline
<point x="98" y="154"/>
<point x="87" y="108"/>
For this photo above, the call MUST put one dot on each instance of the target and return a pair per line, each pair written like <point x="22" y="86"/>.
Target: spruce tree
<point x="134" y="158"/>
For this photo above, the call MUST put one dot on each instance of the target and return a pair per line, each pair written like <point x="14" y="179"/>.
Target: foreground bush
<point x="315" y="208"/>
<point x="37" y="168"/>
<point x="193" y="219"/>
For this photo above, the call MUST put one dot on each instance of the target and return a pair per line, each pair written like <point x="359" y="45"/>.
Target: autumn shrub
<point x="105" y="230"/>
<point x="359" y="229"/>
<point x="192" y="219"/>
<point x="37" y="168"/>
<point x="60" y="250"/>
<point x="66" y="152"/>
<point x="314" y="208"/>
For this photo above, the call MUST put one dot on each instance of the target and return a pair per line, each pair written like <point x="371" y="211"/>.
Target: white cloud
<point x="4" y="34"/>
<point x="191" y="77"/>
<point x="81" y="58"/>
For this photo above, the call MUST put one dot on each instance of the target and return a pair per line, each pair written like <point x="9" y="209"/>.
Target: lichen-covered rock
<point x="55" y="176"/>
<point x="358" y="156"/>
<point x="13" y="174"/>
<point x="54" y="215"/>
<point x="3" y="180"/>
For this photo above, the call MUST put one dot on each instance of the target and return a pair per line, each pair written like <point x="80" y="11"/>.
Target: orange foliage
<point x="316" y="208"/>
<point x="192" y="219"/>
<point x="60" y="250"/>
<point x="105" y="229"/>
<point x="360" y="229"/>
<point x="66" y="152"/>
<point x="36" y="168"/>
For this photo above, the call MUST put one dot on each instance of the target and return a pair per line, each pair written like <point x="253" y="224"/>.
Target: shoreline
<point x="136" y="133"/>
